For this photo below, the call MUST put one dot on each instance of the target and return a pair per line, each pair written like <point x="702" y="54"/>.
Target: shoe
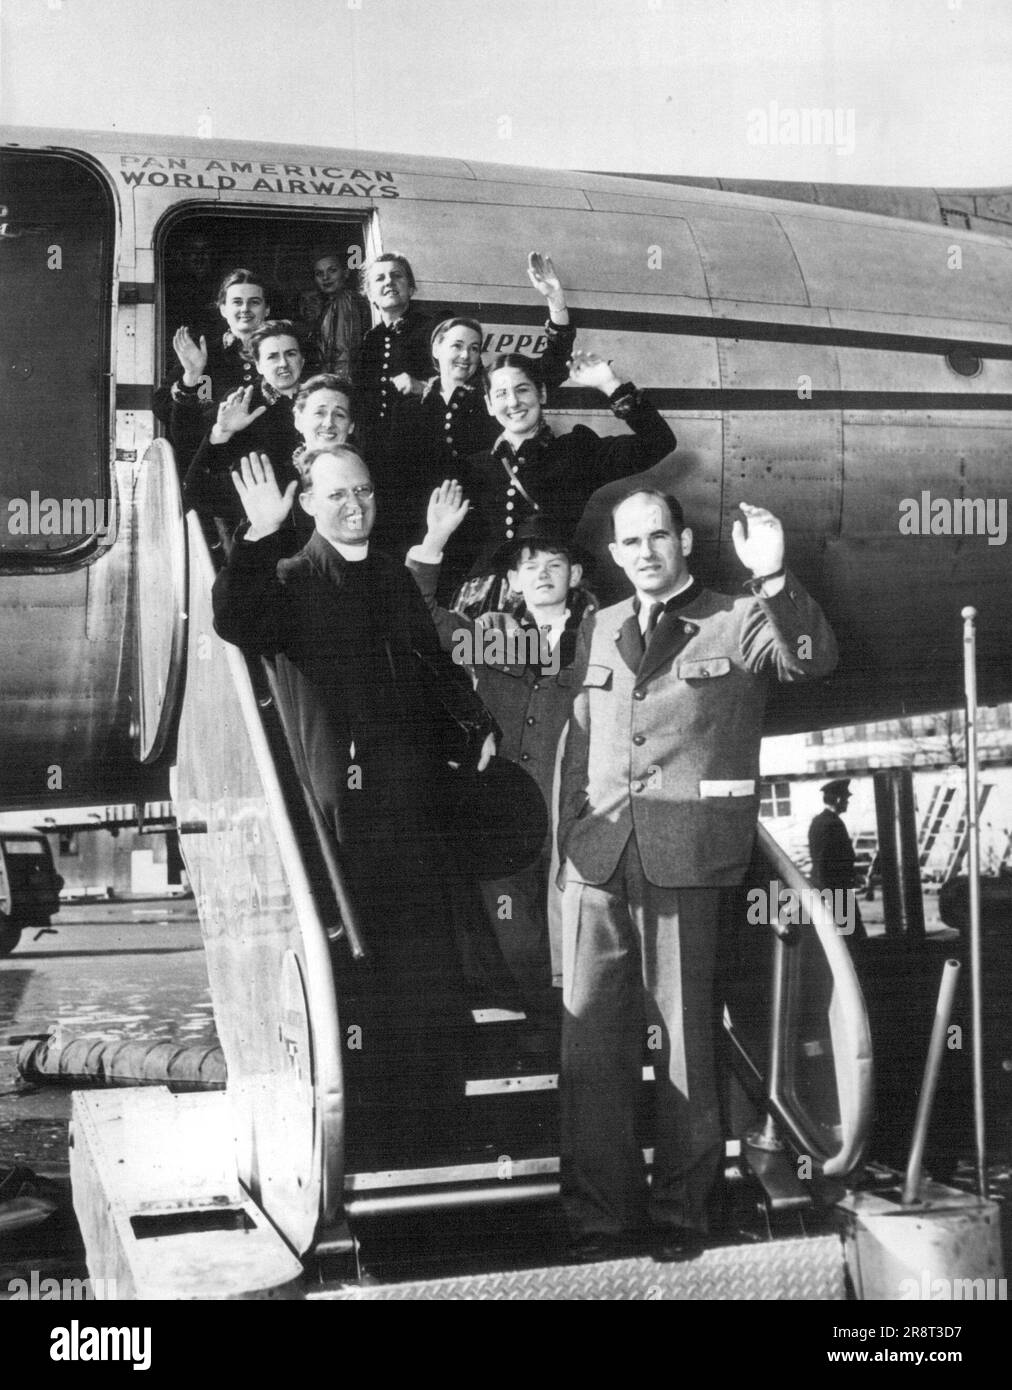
<point x="676" y="1244"/>
<point x="594" y="1247"/>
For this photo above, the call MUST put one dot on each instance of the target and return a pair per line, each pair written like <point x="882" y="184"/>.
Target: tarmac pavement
<point x="125" y="970"/>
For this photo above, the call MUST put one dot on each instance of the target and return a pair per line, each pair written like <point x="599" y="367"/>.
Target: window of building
<point x="775" y="799"/>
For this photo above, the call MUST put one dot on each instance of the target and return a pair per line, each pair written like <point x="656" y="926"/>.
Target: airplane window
<point x="56" y="244"/>
<point x="964" y="363"/>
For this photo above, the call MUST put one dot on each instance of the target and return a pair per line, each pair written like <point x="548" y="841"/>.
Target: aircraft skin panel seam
<point x="794" y="257"/>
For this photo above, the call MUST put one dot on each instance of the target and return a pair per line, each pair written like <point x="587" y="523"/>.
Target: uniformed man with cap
<point x="832" y="852"/>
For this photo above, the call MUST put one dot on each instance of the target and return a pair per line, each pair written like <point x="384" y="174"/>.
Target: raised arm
<point x="446" y="511"/>
<point x="248" y="599"/>
<point x="785" y="631"/>
<point x="652" y="437"/>
<point x="554" y="362"/>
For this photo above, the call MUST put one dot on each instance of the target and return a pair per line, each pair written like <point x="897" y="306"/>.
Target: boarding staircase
<point x="279" y="933"/>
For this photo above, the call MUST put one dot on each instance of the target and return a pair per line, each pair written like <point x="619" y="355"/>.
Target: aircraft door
<point x="57" y="234"/>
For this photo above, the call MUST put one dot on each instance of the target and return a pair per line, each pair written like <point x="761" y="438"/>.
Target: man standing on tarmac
<point x="657" y="814"/>
<point x="833" y="857"/>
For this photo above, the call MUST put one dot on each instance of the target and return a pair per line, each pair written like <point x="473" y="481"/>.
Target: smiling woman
<point x="259" y="418"/>
<point x="530" y="469"/>
<point x="322" y="414"/>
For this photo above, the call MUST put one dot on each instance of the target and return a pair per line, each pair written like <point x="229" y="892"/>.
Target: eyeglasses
<point x="360" y="494"/>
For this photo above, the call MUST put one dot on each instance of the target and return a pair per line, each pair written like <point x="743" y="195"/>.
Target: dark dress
<point x="388" y="423"/>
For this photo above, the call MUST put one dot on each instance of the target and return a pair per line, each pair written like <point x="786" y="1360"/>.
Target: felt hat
<point x="539" y="532"/>
<point x="498" y="819"/>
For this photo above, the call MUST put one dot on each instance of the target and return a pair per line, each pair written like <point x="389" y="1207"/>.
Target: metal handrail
<point x="848" y="1022"/>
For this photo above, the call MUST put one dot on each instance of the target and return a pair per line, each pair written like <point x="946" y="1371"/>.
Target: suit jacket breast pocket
<point x="704" y="668"/>
<point x="598" y="677"/>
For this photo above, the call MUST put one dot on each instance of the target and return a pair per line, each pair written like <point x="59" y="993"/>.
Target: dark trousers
<point x="517" y="907"/>
<point x="638" y="971"/>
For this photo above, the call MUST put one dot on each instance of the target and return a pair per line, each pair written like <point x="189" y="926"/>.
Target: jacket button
<point x="639" y="740"/>
<point x="536" y="685"/>
<point x="637" y="786"/>
<point x="639" y="695"/>
<point x="531" y="719"/>
<point x="525" y="757"/>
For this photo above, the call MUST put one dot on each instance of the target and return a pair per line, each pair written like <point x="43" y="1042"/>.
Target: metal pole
<point x="936" y="1051"/>
<point x="899" y="863"/>
<point x="969" y="616"/>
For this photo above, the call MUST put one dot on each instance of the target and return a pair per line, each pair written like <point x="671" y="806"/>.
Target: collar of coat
<point x="530" y="450"/>
<point x="407" y="320"/>
<point x="321" y="558"/>
<point x="271" y="395"/>
<point x="674" y="630"/>
<point x="582" y="608"/>
<point x="465" y="389"/>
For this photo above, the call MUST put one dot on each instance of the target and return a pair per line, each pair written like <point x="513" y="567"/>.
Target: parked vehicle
<point x="29" y="885"/>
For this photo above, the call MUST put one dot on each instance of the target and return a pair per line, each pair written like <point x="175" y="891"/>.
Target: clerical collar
<point x="333" y="557"/>
<point x="354" y="554"/>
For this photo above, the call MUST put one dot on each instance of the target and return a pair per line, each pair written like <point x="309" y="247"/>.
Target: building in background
<point x="796" y="767"/>
<point x="110" y="851"/>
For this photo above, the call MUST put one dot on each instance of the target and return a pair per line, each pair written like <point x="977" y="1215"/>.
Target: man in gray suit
<point x="658" y="808"/>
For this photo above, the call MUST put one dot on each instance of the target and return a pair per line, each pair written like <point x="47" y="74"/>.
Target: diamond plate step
<point x="809" y="1269"/>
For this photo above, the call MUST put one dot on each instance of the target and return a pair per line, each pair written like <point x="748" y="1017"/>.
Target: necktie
<point x="653" y="618"/>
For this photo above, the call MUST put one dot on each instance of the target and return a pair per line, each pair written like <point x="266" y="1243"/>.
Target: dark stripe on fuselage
<point x="755" y="330"/>
<point x="688" y="326"/>
<point x="138" y="396"/>
<point x="586" y="401"/>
